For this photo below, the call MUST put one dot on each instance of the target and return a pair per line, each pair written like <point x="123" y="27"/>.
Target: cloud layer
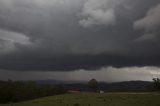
<point x="67" y="35"/>
<point x="150" y="24"/>
<point x="98" y="13"/>
<point x="107" y="74"/>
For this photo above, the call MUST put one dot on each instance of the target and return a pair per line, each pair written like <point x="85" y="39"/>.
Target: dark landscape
<point x="79" y="52"/>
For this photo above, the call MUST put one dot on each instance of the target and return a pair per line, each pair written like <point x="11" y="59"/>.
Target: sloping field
<point x="95" y="99"/>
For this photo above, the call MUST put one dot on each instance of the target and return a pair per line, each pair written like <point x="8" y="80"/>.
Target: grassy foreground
<point x="93" y="99"/>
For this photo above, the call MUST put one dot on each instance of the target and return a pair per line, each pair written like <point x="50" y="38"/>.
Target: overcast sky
<point x="110" y="40"/>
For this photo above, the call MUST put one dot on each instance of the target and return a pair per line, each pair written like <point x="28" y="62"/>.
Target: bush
<point x="22" y="91"/>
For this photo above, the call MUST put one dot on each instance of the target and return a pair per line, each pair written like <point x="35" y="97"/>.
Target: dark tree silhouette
<point x="156" y="82"/>
<point x="93" y="84"/>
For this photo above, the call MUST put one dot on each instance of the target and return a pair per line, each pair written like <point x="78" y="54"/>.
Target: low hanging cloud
<point x="150" y="24"/>
<point x="99" y="12"/>
<point x="107" y="74"/>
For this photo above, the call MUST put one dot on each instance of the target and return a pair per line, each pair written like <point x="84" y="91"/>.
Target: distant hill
<point x="41" y="82"/>
<point x="125" y="86"/>
<point x="116" y="86"/>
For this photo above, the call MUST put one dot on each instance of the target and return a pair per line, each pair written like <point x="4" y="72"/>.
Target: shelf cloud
<point x="69" y="35"/>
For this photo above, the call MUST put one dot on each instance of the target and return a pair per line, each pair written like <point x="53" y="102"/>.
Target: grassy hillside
<point x="91" y="99"/>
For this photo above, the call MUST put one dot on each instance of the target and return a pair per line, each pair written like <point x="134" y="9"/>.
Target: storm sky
<point x="110" y="40"/>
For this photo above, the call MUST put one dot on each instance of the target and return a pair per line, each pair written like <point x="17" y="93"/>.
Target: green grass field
<point x="95" y="99"/>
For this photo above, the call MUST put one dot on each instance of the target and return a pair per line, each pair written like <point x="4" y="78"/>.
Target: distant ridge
<point x="116" y="86"/>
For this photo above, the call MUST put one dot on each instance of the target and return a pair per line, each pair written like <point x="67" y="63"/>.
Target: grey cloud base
<point x="109" y="74"/>
<point x="66" y="35"/>
<point x="71" y="63"/>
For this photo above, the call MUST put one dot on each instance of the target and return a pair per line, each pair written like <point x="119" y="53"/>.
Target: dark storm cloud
<point x="109" y="74"/>
<point x="77" y="34"/>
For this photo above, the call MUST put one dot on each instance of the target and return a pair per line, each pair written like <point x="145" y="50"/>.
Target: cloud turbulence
<point x="68" y="35"/>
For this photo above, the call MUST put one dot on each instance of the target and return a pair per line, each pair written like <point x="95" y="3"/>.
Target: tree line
<point x="16" y="91"/>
